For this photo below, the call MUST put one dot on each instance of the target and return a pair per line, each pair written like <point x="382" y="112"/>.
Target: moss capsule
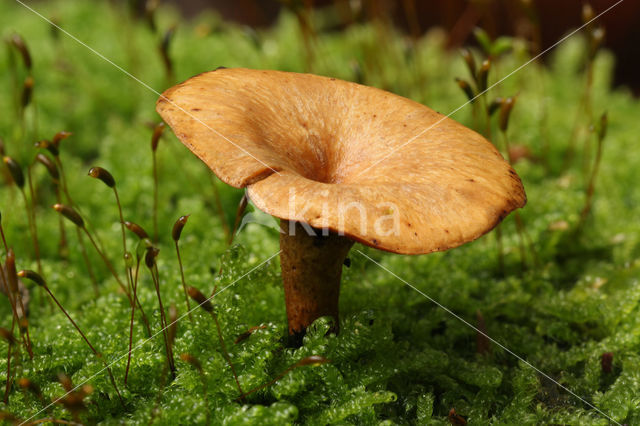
<point x="59" y="137"/>
<point x="155" y="137"/>
<point x="136" y="229"/>
<point x="466" y="88"/>
<point x="495" y="105"/>
<point x="32" y="276"/>
<point x="21" y="46"/>
<point x="49" y="165"/>
<point x="150" y="256"/>
<point x="70" y="214"/>
<point x="178" y="226"/>
<point x="7" y="336"/>
<point x="27" y="91"/>
<point x="45" y="144"/>
<point x="313" y="360"/>
<point x="200" y="299"/>
<point x="103" y="175"/>
<point x="604" y="124"/>
<point x="191" y="360"/>
<point x="483" y="75"/>
<point x="505" y="112"/>
<point x="15" y="170"/>
<point x="469" y="60"/>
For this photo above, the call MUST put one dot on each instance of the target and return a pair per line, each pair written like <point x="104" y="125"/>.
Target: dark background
<point x="458" y="17"/>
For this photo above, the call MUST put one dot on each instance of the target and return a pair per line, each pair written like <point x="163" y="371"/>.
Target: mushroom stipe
<point x="319" y="153"/>
<point x="311" y="271"/>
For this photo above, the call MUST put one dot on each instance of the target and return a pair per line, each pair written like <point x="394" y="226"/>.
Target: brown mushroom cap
<point x="314" y="149"/>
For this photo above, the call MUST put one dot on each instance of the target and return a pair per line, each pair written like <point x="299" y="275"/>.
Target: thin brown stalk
<point x="83" y="249"/>
<point x="155" y="196"/>
<point x="163" y="321"/>
<point x="205" y="303"/>
<point x="32" y="229"/>
<point x="95" y="352"/>
<point x="62" y="246"/>
<point x="485" y="108"/>
<point x="481" y="86"/>
<point x="133" y="309"/>
<point x="520" y="227"/>
<point x="124" y="238"/>
<point x="507" y="146"/>
<point x="4" y="240"/>
<point x="219" y="209"/>
<point x="8" y="385"/>
<point x="411" y="15"/>
<point x="131" y="286"/>
<point x="145" y="320"/>
<point x="184" y="284"/>
<point x="303" y="15"/>
<point x="13" y="293"/>
<point x="31" y="209"/>
<point x="85" y="256"/>
<point x="167" y="326"/>
<point x="26" y="328"/>
<point x="63" y="180"/>
<point x="588" y="109"/>
<point x="591" y="186"/>
<point x="525" y="240"/>
<point x="108" y="264"/>
<point x="584" y="109"/>
<point x="242" y="206"/>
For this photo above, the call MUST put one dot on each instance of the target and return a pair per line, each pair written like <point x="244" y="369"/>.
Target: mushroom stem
<point x="311" y="270"/>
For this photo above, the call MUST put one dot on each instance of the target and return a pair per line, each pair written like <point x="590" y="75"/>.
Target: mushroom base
<point x="311" y="271"/>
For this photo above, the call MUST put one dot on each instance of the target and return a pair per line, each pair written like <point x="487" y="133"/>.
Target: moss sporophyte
<point x="332" y="164"/>
<point x="337" y="163"/>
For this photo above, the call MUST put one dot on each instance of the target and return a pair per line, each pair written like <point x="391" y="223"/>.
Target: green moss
<point x="399" y="358"/>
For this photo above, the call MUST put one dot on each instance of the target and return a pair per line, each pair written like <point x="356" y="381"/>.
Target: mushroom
<point x="338" y="163"/>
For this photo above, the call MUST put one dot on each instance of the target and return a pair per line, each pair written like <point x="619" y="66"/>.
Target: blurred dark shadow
<point x="555" y="18"/>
